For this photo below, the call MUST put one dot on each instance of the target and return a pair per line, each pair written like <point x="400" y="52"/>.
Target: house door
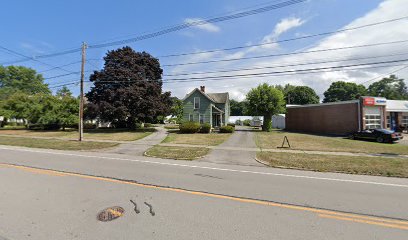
<point x="216" y="120"/>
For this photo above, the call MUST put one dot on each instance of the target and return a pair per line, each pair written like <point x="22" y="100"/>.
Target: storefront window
<point x="372" y="121"/>
<point x="388" y="121"/>
<point x="404" y="121"/>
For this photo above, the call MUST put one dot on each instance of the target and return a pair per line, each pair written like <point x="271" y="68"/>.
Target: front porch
<point x="218" y="118"/>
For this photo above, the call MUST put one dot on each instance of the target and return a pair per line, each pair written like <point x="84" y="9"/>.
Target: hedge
<point x="189" y="127"/>
<point x="227" y="129"/>
<point x="205" y="128"/>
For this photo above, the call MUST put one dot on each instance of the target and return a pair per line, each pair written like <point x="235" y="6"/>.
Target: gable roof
<point x="219" y="97"/>
<point x="213" y="97"/>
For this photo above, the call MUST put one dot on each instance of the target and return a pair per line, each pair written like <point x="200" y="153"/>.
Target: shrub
<point x="247" y="122"/>
<point x="148" y="125"/>
<point x="89" y="126"/>
<point x="189" y="127"/>
<point x="231" y="124"/>
<point x="205" y="128"/>
<point x="226" y="129"/>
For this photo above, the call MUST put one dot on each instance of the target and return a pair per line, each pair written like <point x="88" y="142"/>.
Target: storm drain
<point x="110" y="214"/>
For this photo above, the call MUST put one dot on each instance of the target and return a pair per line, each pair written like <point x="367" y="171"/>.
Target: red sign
<point x="369" y="101"/>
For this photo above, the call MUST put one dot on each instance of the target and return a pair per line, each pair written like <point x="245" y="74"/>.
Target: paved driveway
<point x="242" y="138"/>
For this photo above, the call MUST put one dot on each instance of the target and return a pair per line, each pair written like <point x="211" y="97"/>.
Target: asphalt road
<point x="190" y="200"/>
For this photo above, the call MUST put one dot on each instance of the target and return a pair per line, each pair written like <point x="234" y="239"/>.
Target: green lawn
<point x="92" y="134"/>
<point x="178" y="153"/>
<point x="210" y="139"/>
<point x="54" y="143"/>
<point x="310" y="142"/>
<point x="392" y="167"/>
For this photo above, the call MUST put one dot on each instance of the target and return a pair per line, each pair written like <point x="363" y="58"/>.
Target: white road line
<point x="211" y="168"/>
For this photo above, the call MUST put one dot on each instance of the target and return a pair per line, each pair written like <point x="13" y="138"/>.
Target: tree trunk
<point x="267" y="123"/>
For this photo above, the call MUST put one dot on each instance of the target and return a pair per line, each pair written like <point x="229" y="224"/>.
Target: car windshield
<point x="386" y="131"/>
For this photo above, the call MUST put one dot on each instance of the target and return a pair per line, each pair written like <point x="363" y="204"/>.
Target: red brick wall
<point x="338" y="119"/>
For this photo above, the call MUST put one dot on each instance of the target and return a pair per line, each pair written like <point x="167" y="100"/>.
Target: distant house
<point x="202" y="107"/>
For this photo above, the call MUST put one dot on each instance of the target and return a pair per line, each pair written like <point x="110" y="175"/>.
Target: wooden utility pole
<point x="81" y="95"/>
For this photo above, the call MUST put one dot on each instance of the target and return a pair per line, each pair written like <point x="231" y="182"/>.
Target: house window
<point x="373" y="121"/>
<point x="196" y="103"/>
<point x="190" y="117"/>
<point x="201" y="117"/>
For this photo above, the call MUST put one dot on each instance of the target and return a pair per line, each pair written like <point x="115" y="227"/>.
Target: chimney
<point x="202" y="89"/>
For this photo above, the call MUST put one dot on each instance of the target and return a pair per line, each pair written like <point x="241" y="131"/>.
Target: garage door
<point x="372" y="117"/>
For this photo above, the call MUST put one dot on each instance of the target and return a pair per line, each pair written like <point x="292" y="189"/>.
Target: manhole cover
<point x="110" y="214"/>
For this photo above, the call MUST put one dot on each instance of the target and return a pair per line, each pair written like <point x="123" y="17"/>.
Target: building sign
<point x="373" y="101"/>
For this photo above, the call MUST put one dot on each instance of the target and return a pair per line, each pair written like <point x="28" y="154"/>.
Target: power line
<point x="65" y="84"/>
<point x="284" y="40"/>
<point x="62" y="75"/>
<point x="283" y="54"/>
<point x="30" y="58"/>
<point x="65" y="65"/>
<point x="331" y="68"/>
<point x="292" y="64"/>
<point x="384" y="75"/>
<point x="276" y="75"/>
<point x="200" y="22"/>
<point x="287" y="71"/>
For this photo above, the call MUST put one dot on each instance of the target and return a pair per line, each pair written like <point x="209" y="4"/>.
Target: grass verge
<point x="92" y="134"/>
<point x="54" y="143"/>
<point x="210" y="139"/>
<point x="300" y="141"/>
<point x="378" y="166"/>
<point x="178" y="153"/>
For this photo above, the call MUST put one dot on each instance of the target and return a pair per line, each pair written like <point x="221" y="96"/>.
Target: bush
<point x="39" y="126"/>
<point x="205" y="128"/>
<point x="189" y="127"/>
<point x="231" y="124"/>
<point x="226" y="129"/>
<point x="148" y="125"/>
<point x="89" y="126"/>
<point x="247" y="122"/>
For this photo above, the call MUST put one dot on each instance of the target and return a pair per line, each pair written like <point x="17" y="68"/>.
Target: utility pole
<point x="81" y="95"/>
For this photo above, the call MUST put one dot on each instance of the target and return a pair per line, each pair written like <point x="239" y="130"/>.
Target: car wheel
<point x="380" y="139"/>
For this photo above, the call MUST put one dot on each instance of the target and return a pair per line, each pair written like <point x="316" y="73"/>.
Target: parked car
<point x="379" y="135"/>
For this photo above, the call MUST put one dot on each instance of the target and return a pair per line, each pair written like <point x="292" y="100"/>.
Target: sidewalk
<point x="139" y="147"/>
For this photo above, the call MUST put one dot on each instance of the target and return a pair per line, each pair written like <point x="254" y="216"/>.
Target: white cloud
<point x="209" y="27"/>
<point x="238" y="87"/>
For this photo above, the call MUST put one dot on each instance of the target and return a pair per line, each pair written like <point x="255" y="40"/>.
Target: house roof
<point x="219" y="97"/>
<point x="219" y="110"/>
<point x="214" y="97"/>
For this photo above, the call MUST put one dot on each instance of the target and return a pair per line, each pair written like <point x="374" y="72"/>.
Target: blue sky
<point x="45" y="26"/>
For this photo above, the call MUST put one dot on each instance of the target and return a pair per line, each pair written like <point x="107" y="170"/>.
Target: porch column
<point x="221" y="120"/>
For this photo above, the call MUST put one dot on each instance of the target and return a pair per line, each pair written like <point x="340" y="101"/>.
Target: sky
<point x="34" y="28"/>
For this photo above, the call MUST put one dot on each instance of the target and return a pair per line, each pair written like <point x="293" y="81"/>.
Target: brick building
<point x="342" y="118"/>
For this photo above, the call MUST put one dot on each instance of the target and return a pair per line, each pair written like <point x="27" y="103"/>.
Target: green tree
<point x="67" y="108"/>
<point x="128" y="89"/>
<point x="237" y="108"/>
<point x="343" y="91"/>
<point x="265" y="100"/>
<point x="177" y="109"/>
<point x="392" y="88"/>
<point x="19" y="78"/>
<point x="301" y="95"/>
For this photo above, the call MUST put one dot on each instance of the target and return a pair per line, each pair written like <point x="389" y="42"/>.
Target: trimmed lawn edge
<point x="57" y="144"/>
<point x="205" y="151"/>
<point x="266" y="163"/>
